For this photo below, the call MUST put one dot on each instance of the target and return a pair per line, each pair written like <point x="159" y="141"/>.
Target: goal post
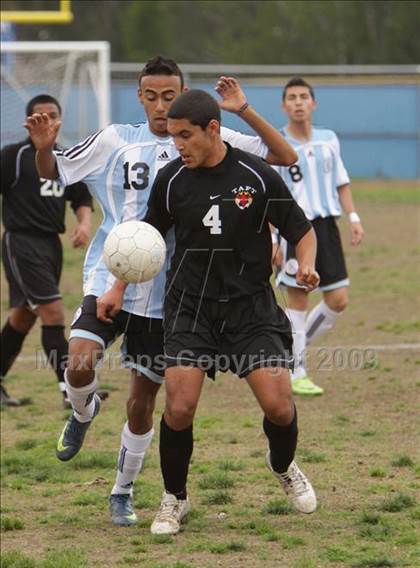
<point x="77" y="74"/>
<point x="63" y="15"/>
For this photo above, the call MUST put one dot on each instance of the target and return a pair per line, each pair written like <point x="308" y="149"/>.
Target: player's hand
<point x="42" y="130"/>
<point x="277" y="255"/>
<point x="307" y="277"/>
<point x="80" y="236"/>
<point x="356" y="233"/>
<point x="108" y="305"/>
<point x="233" y="97"/>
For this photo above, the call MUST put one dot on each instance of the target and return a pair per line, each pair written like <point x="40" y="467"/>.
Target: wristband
<point x="243" y="108"/>
<point x="354" y="217"/>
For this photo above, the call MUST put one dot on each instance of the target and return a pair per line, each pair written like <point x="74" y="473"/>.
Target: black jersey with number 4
<point x="31" y="203"/>
<point x="221" y="217"/>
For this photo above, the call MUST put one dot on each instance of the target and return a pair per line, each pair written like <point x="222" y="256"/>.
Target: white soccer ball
<point x="134" y="251"/>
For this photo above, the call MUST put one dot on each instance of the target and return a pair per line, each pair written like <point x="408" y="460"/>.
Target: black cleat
<point x="103" y="394"/>
<point x="73" y="434"/>
<point x="6" y="399"/>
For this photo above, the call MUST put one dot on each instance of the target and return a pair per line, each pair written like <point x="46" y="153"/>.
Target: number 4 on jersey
<point x="212" y="219"/>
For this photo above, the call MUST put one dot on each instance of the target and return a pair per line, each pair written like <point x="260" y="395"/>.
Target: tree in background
<point x="216" y="31"/>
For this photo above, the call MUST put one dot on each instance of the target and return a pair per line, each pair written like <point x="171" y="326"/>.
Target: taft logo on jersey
<point x="244" y="196"/>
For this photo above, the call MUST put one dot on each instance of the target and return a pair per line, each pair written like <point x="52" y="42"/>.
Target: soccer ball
<point x="134" y="251"/>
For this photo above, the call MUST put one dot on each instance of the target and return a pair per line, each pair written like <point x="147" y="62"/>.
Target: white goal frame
<point x="98" y="79"/>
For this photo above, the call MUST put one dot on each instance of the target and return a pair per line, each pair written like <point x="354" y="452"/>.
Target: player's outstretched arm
<point x="346" y="199"/>
<point x="234" y="100"/>
<point x="43" y="133"/>
<point x="306" y="275"/>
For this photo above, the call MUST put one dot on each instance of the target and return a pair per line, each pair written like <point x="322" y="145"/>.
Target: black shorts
<point x="330" y="263"/>
<point x="239" y="335"/>
<point x="33" y="264"/>
<point x="142" y="347"/>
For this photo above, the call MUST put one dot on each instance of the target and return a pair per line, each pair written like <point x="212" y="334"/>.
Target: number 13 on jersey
<point x="212" y="220"/>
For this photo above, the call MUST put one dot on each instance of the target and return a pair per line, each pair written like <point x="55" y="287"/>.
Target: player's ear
<point x="185" y="89"/>
<point x="213" y="126"/>
<point x="140" y="95"/>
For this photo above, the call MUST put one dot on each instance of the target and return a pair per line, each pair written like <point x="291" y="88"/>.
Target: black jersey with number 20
<point x="221" y="217"/>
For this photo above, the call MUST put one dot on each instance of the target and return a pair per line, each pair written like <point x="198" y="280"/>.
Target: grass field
<point x="358" y="442"/>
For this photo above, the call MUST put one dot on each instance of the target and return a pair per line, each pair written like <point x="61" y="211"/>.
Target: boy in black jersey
<point x="33" y="216"/>
<point x="220" y="311"/>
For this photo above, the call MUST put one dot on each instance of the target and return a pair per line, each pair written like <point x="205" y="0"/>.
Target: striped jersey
<point x="119" y="165"/>
<point x="313" y="180"/>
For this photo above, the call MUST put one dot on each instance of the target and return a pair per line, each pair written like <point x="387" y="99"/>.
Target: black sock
<point x="11" y="342"/>
<point x="175" y="448"/>
<point x="282" y="441"/>
<point x="56" y="348"/>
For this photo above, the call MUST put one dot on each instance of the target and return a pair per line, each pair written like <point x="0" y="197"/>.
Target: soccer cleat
<point x="103" y="394"/>
<point x="6" y="399"/>
<point x="122" y="512"/>
<point x="306" y="386"/>
<point x="73" y="434"/>
<point x="171" y="513"/>
<point x="296" y="486"/>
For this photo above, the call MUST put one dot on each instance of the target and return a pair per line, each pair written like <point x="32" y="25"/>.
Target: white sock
<point x="130" y="459"/>
<point x="297" y="319"/>
<point x="81" y="399"/>
<point x="320" y="319"/>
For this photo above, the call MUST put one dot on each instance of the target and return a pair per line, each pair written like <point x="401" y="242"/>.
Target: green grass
<point x="224" y="548"/>
<point x="399" y="327"/>
<point x="363" y="467"/>
<point x="398" y="503"/>
<point x="289" y="541"/>
<point x="11" y="524"/>
<point x="337" y="554"/>
<point x="402" y="461"/>
<point x="277" y="507"/>
<point x="162" y="539"/>
<point x="54" y="559"/>
<point x="15" y="559"/>
<point x="218" y="498"/>
<point x="27" y="444"/>
<point x="375" y="194"/>
<point x="377" y="472"/>
<point x="375" y="562"/>
<point x="229" y="465"/>
<point x="216" y="481"/>
<point x="310" y="456"/>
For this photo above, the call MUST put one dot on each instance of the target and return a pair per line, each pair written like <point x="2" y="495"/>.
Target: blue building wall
<point x="378" y="125"/>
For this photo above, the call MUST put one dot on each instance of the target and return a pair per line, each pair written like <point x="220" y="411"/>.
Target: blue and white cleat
<point x="122" y="511"/>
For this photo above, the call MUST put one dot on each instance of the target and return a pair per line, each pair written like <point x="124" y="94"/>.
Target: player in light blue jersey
<point x="119" y="165"/>
<point x="320" y="184"/>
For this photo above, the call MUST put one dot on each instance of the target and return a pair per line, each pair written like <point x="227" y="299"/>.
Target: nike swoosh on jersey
<point x="214" y="196"/>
